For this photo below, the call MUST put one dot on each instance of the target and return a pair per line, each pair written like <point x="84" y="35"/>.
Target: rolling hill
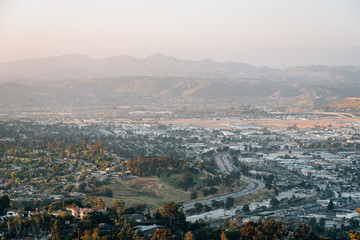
<point x="345" y="105"/>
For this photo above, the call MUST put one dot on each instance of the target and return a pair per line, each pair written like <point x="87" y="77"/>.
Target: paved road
<point x="252" y="185"/>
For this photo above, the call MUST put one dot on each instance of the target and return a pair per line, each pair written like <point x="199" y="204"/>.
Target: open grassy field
<point x="148" y="190"/>
<point x="154" y="191"/>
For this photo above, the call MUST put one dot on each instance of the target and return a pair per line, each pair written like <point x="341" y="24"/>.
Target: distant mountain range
<point x="76" y="80"/>
<point x="82" y="67"/>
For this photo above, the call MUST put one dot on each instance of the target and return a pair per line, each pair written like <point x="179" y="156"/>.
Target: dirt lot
<point x="334" y="119"/>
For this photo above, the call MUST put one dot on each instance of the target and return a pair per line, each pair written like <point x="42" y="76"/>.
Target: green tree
<point x="199" y="207"/>
<point x="321" y="226"/>
<point x="193" y="195"/>
<point x="330" y="206"/>
<point x="274" y="202"/>
<point x="229" y="202"/>
<point x="186" y="180"/>
<point x="246" y="208"/>
<point x="4" y="203"/>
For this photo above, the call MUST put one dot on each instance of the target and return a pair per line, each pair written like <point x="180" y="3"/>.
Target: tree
<point x="87" y="235"/>
<point x="212" y="190"/>
<point x="223" y="236"/>
<point x="186" y="180"/>
<point x="274" y="202"/>
<point x="126" y="233"/>
<point x="248" y="231"/>
<point x="354" y="223"/>
<point x="302" y="232"/>
<point x="246" y="208"/>
<point x="226" y="223"/>
<point x="81" y="187"/>
<point x="57" y="231"/>
<point x="268" y="230"/>
<point x="36" y="219"/>
<point x="234" y="232"/>
<point x="9" y="224"/>
<point x="96" y="183"/>
<point x="189" y="236"/>
<point x="312" y="224"/>
<point x="46" y="223"/>
<point x="71" y="202"/>
<point x="201" y="166"/>
<point x="354" y="235"/>
<point x="4" y="203"/>
<point x="193" y="195"/>
<point x="330" y="206"/>
<point x="271" y="230"/>
<point x="118" y="206"/>
<point x="229" y="202"/>
<point x="321" y="226"/>
<point x="151" y="165"/>
<point x="107" y="192"/>
<point x="70" y="188"/>
<point x="100" y="203"/>
<point x="170" y="212"/>
<point x="162" y="234"/>
<point x="18" y="225"/>
<point x="140" y="207"/>
<point x="199" y="207"/>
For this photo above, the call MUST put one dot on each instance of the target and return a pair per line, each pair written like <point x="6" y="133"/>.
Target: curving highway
<point x="252" y="185"/>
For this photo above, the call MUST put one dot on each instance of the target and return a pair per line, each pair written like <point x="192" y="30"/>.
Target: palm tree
<point x="25" y="224"/>
<point x="31" y="223"/>
<point x="18" y="225"/>
<point x="9" y="224"/>
<point x="42" y="223"/>
<point x="35" y="224"/>
<point x="37" y="220"/>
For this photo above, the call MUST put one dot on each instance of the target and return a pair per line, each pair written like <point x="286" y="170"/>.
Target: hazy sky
<point x="270" y="32"/>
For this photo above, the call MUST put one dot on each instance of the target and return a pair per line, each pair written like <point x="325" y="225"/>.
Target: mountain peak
<point x="155" y="55"/>
<point x="158" y="56"/>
